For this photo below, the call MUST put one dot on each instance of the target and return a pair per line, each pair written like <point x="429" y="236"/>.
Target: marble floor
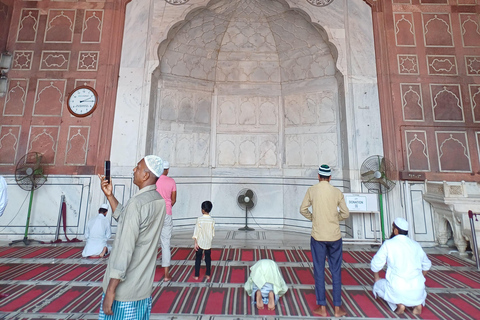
<point x="259" y="238"/>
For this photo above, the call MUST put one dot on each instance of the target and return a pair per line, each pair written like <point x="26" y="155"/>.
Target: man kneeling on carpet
<point x="407" y="265"/>
<point x="265" y="284"/>
<point x="97" y="232"/>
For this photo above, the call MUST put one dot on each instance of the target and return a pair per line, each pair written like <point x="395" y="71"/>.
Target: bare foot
<point x="103" y="252"/>
<point x="258" y="297"/>
<point x="339" y="312"/>
<point x="321" y="311"/>
<point x="208" y="277"/>
<point x="271" y="301"/>
<point x="167" y="276"/>
<point x="400" y="309"/>
<point x="196" y="278"/>
<point x="417" y="310"/>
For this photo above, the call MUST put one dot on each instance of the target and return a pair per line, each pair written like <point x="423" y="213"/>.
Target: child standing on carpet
<point x="203" y="236"/>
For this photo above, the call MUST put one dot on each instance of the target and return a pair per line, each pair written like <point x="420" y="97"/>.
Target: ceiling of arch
<point x="254" y="41"/>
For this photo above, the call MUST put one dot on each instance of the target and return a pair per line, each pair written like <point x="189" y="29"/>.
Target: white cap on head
<point x="325" y="170"/>
<point x="104" y="206"/>
<point x="154" y="164"/>
<point x="166" y="164"/>
<point x="401" y="223"/>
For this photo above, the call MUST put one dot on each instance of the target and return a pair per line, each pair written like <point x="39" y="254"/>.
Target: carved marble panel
<point x="60" y="25"/>
<point x="28" y="25"/>
<point x="402" y="1"/>
<point x="44" y="139"/>
<point x="77" y="145"/>
<point x="472" y="64"/>
<point x="417" y="150"/>
<point x="453" y="152"/>
<point x="253" y="111"/>
<point x="49" y="97"/>
<point x="185" y="106"/>
<point x="310" y="109"/>
<point x="474" y="91"/>
<point x="412" y="102"/>
<point x="184" y="149"/>
<point x="310" y="150"/>
<point x="446" y="103"/>
<point x="14" y="102"/>
<point x="407" y="64"/>
<point x="442" y="65"/>
<point x="88" y="60"/>
<point x="247" y="150"/>
<point x="404" y="29"/>
<point x="470" y="28"/>
<point x="55" y="60"/>
<point x="22" y="60"/>
<point x="437" y="30"/>
<point x="92" y="26"/>
<point x="9" y="137"/>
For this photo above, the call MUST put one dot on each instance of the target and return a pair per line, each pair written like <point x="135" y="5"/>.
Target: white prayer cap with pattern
<point x="154" y="164"/>
<point x="104" y="206"/>
<point x="401" y="223"/>
<point x="325" y="170"/>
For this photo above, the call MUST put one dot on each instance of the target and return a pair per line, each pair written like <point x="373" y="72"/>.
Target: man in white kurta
<point x="97" y="232"/>
<point x="3" y="195"/>
<point x="404" y="283"/>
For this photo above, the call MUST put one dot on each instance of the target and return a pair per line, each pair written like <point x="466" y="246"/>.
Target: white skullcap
<point x="154" y="164"/>
<point x="401" y="223"/>
<point x="166" y="164"/>
<point x="104" y="206"/>
<point x="325" y="170"/>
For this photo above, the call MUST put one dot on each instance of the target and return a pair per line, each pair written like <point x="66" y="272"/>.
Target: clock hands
<point x="88" y="100"/>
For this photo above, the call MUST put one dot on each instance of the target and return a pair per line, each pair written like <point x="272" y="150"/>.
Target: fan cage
<point x="378" y="165"/>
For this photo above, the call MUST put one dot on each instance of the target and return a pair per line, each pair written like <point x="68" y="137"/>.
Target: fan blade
<point x="241" y="199"/>
<point x="249" y="193"/>
<point x="383" y="183"/>
<point x="249" y="204"/>
<point x="368" y="173"/>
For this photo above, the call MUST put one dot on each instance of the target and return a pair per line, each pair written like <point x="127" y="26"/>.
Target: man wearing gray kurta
<point x="128" y="280"/>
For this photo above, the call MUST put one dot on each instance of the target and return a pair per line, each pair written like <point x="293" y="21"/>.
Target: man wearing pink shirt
<point x="168" y="190"/>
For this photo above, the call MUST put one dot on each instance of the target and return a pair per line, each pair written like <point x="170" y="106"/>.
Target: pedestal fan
<point x="29" y="175"/>
<point x="377" y="175"/>
<point x="246" y="199"/>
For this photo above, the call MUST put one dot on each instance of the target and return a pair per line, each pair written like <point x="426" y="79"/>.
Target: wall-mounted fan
<point x="29" y="175"/>
<point x="246" y="199"/>
<point x="378" y="174"/>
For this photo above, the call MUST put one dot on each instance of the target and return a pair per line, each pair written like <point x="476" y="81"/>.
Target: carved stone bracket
<point x="451" y="203"/>
<point x="320" y="3"/>
<point x="176" y="2"/>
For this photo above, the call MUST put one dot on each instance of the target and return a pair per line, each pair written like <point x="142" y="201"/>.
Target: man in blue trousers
<point x="328" y="209"/>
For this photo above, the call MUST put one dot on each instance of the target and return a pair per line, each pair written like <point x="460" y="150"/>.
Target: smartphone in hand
<point x="107" y="170"/>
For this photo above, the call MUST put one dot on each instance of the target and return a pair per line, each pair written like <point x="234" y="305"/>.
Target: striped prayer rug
<point x="230" y="300"/>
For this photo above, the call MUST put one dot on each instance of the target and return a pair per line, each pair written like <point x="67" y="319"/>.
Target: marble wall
<point x="245" y="94"/>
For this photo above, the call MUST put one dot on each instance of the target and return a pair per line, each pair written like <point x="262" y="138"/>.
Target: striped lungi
<point x="128" y="310"/>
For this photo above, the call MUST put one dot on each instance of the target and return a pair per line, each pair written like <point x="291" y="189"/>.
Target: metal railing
<point x="474" y="236"/>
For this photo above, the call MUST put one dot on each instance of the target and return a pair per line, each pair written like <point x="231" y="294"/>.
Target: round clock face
<point x="82" y="101"/>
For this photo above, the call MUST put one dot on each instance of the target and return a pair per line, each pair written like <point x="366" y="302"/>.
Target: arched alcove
<point x="253" y="73"/>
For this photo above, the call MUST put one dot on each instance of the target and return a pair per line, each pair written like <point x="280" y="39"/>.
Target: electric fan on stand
<point x="377" y="173"/>
<point x="29" y="175"/>
<point x="246" y="199"/>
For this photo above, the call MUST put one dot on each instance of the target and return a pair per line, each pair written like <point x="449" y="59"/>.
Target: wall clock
<point x="82" y="101"/>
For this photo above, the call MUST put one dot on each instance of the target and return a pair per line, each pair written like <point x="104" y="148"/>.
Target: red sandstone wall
<point x="428" y="55"/>
<point x="56" y="47"/>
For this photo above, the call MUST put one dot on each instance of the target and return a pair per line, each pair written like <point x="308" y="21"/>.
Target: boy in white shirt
<point x="203" y="236"/>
